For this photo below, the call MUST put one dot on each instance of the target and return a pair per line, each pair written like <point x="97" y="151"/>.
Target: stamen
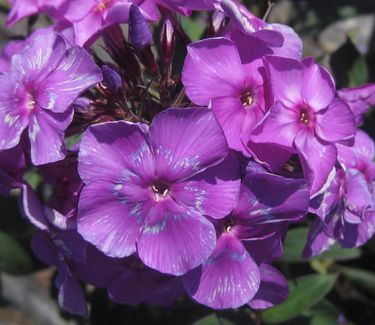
<point x="247" y="98"/>
<point x="160" y="190"/>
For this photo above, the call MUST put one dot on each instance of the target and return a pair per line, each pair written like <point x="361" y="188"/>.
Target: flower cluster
<point x="163" y="185"/>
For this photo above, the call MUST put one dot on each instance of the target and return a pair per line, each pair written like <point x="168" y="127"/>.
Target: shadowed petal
<point x="213" y="192"/>
<point x="269" y="198"/>
<point x="229" y="278"/>
<point x="175" y="240"/>
<point x="317" y="159"/>
<point x="273" y="288"/>
<point x="279" y="126"/>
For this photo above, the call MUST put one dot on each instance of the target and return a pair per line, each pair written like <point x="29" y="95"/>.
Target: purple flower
<point x="306" y="117"/>
<point x="12" y="166"/>
<point x="61" y="249"/>
<point x="9" y="50"/>
<point x="37" y="92"/>
<point x="25" y="8"/>
<point x="61" y="207"/>
<point x="135" y="283"/>
<point x="234" y="274"/>
<point x="214" y="75"/>
<point x="245" y="28"/>
<point x="346" y="210"/>
<point x="360" y="99"/>
<point x="148" y="189"/>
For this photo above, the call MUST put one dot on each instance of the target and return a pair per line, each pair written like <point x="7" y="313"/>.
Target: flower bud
<point x="139" y="32"/>
<point x="111" y="79"/>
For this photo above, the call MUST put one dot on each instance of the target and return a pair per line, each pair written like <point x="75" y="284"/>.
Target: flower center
<point x="228" y="225"/>
<point x="306" y="117"/>
<point x="29" y="102"/>
<point x="247" y="98"/>
<point x="160" y="190"/>
<point x="101" y="6"/>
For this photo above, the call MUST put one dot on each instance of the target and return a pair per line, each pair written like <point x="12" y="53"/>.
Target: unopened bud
<point x="111" y="79"/>
<point x="139" y="31"/>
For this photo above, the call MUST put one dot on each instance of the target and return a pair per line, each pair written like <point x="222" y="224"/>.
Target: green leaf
<point x="13" y="257"/>
<point x="193" y="28"/>
<point x="364" y="279"/>
<point x="323" y="313"/>
<point x="294" y="243"/>
<point x="208" y="320"/>
<point x="306" y="292"/>
<point x="296" y="239"/>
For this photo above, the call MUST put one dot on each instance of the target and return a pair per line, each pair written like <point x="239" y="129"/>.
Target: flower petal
<point x="273" y="288"/>
<point x="117" y="151"/>
<point x="279" y="126"/>
<point x="110" y="218"/>
<point x="212" y="69"/>
<point x="269" y="198"/>
<point x="336" y="123"/>
<point x="213" y="192"/>
<point x="318" y="86"/>
<point x="286" y="77"/>
<point x="229" y="278"/>
<point x="75" y="73"/>
<point x="175" y="240"/>
<point x="317" y="159"/>
<point x="13" y="120"/>
<point x="46" y="133"/>
<point x="185" y="142"/>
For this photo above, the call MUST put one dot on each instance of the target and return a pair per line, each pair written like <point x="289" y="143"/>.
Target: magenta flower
<point x="246" y="28"/>
<point x="24" y="8"/>
<point x="360" y="99"/>
<point x="90" y="18"/>
<point x="214" y="75"/>
<point x="234" y="274"/>
<point x="37" y="92"/>
<point x="148" y="190"/>
<point x="305" y="117"/>
<point x="346" y="210"/>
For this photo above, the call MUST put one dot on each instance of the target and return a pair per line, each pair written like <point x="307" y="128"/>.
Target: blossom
<point x="346" y="210"/>
<point x="245" y="28"/>
<point x="24" y="8"/>
<point x="147" y="190"/>
<point x="360" y="99"/>
<point x="214" y="75"/>
<point x="37" y="92"/>
<point x="12" y="166"/>
<point x="306" y="116"/>
<point x="59" y="248"/>
<point x="90" y="18"/>
<point x="249" y="238"/>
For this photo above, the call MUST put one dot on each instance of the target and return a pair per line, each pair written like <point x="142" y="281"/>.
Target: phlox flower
<point x="37" y="91"/>
<point x="249" y="238"/>
<point x="360" y="99"/>
<point x="148" y="189"/>
<point x="24" y="8"/>
<point x="346" y="210"/>
<point x="213" y="75"/>
<point x="306" y="117"/>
